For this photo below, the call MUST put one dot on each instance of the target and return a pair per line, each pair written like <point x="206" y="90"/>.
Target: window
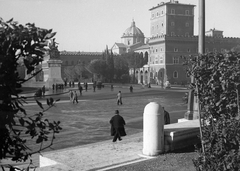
<point x="175" y="60"/>
<point x="157" y="26"/>
<point x="152" y="27"/>
<point x="175" y="49"/>
<point x="172" y="34"/>
<point x="206" y="50"/>
<point x="172" y="11"/>
<point x="162" y="12"/>
<point x="175" y="74"/>
<point x="172" y="24"/>
<point x="161" y="49"/>
<point x="160" y="59"/>
<point x="66" y="63"/>
<point x="156" y="49"/>
<point x="152" y="15"/>
<point x="72" y="63"/>
<point x="188" y="50"/>
<point x="161" y="74"/>
<point x="156" y="60"/>
<point x="157" y="13"/>
<point x="187" y="12"/>
<point x="162" y="24"/>
<point x="187" y="24"/>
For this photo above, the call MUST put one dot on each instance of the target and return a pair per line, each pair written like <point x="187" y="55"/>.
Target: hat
<point x="116" y="112"/>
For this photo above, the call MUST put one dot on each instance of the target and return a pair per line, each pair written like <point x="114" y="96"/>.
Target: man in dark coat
<point x="117" y="127"/>
<point x="166" y="117"/>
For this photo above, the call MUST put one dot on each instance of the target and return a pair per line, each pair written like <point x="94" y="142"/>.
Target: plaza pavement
<point x="97" y="156"/>
<point x="100" y="156"/>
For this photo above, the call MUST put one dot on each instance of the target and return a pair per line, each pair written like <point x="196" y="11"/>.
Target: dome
<point x="133" y="31"/>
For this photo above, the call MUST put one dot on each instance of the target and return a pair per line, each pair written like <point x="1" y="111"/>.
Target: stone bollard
<point x="153" y="129"/>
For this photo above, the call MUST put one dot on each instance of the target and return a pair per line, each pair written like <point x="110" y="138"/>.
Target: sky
<point x="91" y="25"/>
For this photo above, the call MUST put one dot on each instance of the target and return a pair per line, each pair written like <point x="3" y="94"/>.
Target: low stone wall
<point x="180" y="135"/>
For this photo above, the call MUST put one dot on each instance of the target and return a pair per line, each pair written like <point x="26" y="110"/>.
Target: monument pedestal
<point x="192" y="111"/>
<point x="54" y="76"/>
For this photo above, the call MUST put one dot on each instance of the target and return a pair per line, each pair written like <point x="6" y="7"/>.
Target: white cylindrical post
<point x="153" y="131"/>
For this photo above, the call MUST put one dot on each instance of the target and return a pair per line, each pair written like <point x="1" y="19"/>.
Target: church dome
<point x="133" y="31"/>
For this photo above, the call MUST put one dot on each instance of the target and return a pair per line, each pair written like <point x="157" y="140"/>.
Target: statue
<point x="53" y="49"/>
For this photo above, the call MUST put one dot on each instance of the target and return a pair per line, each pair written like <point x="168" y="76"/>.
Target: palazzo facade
<point x="172" y="36"/>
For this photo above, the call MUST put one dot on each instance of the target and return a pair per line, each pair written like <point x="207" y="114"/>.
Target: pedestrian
<point x="86" y="86"/>
<point x="119" y="98"/>
<point x="166" y="117"/>
<point x="43" y="90"/>
<point x="111" y="87"/>
<point x="94" y="86"/>
<point x="75" y="97"/>
<point x="117" y="127"/>
<point x="80" y="89"/>
<point x="71" y="95"/>
<point x="131" y="88"/>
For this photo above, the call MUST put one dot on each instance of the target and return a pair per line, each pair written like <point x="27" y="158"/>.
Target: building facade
<point x="172" y="36"/>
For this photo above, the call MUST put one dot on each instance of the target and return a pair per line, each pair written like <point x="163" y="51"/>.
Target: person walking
<point x="111" y="87"/>
<point x="94" y="86"/>
<point x="43" y="90"/>
<point x="119" y="98"/>
<point x="71" y="95"/>
<point x="131" y="88"/>
<point x="75" y="97"/>
<point x="80" y="89"/>
<point x="86" y="86"/>
<point x="166" y="117"/>
<point x="117" y="127"/>
<point x="53" y="87"/>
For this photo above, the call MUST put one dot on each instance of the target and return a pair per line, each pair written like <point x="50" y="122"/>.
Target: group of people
<point x="40" y="92"/>
<point x="73" y="96"/>
<point x="57" y="87"/>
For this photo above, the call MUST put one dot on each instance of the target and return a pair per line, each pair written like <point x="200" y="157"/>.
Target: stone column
<point x="139" y="77"/>
<point x="153" y="129"/>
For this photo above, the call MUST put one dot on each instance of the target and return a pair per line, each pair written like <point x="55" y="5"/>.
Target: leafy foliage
<point x="121" y="67"/>
<point x="28" y="44"/>
<point x="217" y="77"/>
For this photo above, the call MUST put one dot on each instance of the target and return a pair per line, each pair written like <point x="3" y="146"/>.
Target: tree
<point x="120" y="67"/>
<point x="97" y="66"/>
<point x="217" y="85"/>
<point x="28" y="44"/>
<point x="108" y="57"/>
<point x="145" y="58"/>
<point x="236" y="48"/>
<point x="134" y="60"/>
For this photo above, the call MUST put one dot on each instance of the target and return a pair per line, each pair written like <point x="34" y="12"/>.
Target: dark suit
<point x="117" y="127"/>
<point x="166" y="117"/>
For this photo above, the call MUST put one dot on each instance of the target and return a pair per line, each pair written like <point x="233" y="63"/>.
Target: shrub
<point x="217" y="77"/>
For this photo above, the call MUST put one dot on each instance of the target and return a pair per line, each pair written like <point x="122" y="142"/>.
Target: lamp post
<point x="192" y="110"/>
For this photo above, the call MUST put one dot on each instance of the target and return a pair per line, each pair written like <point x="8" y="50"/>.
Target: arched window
<point x="161" y="74"/>
<point x="72" y="63"/>
<point x="66" y="62"/>
<point x="175" y="74"/>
